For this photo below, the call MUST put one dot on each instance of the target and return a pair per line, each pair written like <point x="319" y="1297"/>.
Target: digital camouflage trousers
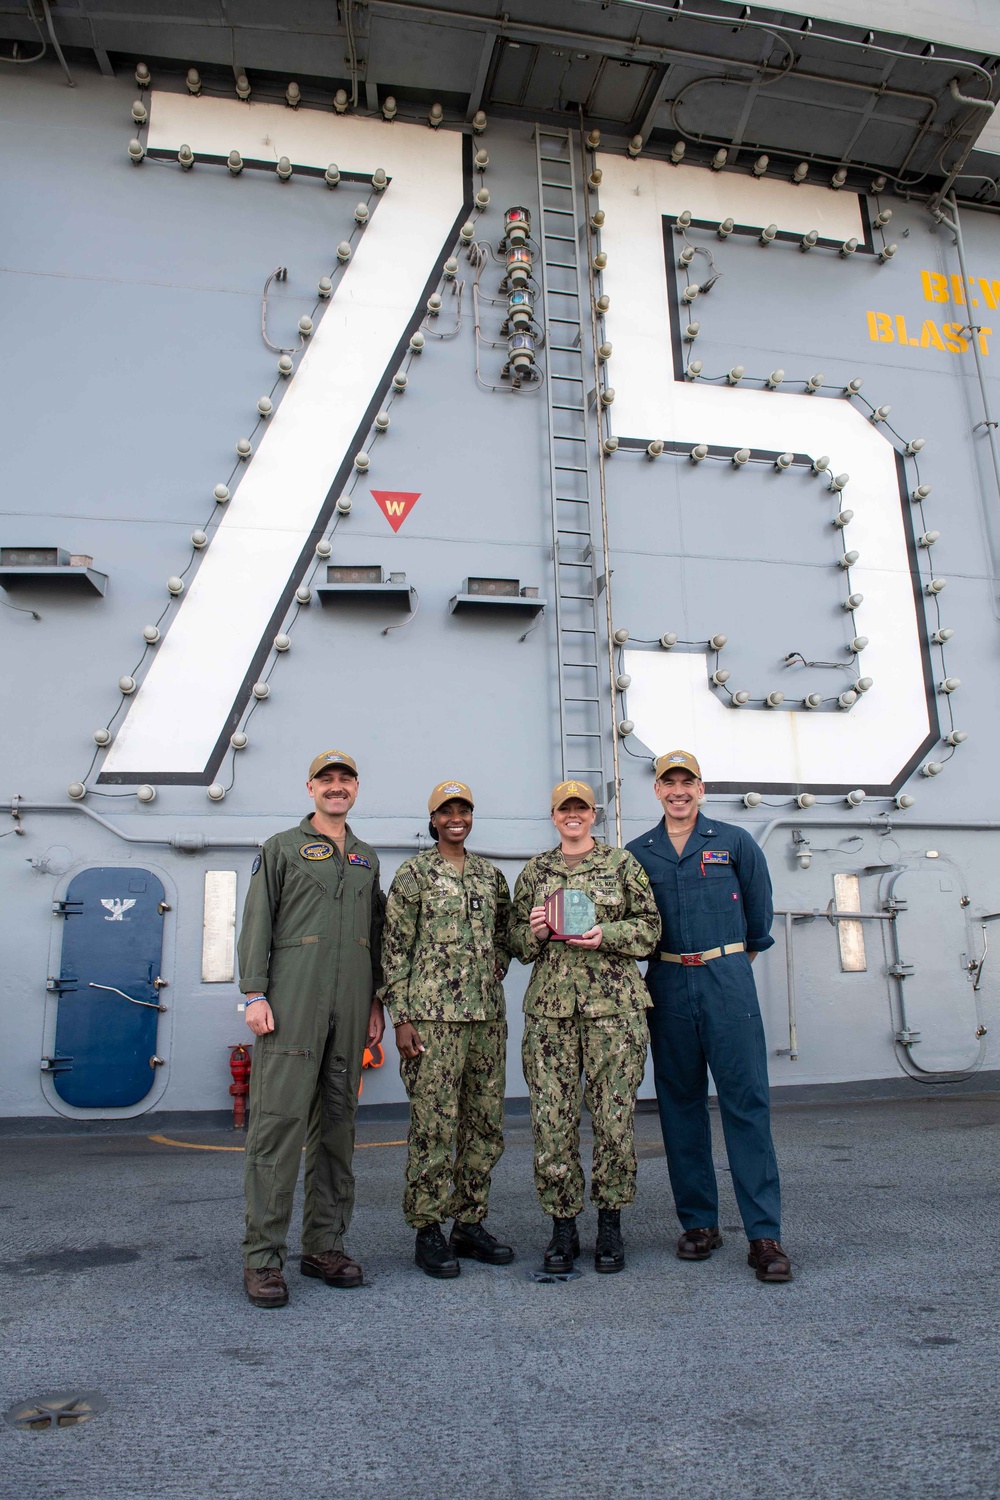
<point x="610" y="1053"/>
<point x="456" y="1092"/>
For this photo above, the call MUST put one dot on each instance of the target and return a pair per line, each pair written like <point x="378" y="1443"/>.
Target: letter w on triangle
<point x="395" y="505"/>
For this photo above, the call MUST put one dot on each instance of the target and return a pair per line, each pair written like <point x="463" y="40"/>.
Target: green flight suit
<point x="585" y="1017"/>
<point x="311" y="941"/>
<point x="445" y="955"/>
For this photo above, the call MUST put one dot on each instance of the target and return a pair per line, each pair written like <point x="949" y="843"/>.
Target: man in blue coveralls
<point x="713" y="892"/>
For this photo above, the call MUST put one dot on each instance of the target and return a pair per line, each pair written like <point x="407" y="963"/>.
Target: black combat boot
<point x="432" y="1254"/>
<point x="476" y="1241"/>
<point x="609" y="1252"/>
<point x="563" y="1247"/>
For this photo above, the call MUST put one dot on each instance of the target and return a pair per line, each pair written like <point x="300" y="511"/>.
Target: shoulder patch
<point x="405" y="884"/>
<point x="256" y="865"/>
<point x="641" y="877"/>
<point x="316" y="851"/>
<point x="359" y="859"/>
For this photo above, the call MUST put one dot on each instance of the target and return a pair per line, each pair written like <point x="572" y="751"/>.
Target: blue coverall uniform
<point x="707" y="1016"/>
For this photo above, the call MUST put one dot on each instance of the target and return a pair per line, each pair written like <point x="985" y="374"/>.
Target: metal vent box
<point x="343" y="573"/>
<point x="493" y="587"/>
<point x="34" y="557"/>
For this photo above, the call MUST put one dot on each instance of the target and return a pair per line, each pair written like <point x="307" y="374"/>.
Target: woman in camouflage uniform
<point x="585" y="1014"/>
<point x="444" y="955"/>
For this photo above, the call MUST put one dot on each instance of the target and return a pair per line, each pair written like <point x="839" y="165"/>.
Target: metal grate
<point x="61" y="1409"/>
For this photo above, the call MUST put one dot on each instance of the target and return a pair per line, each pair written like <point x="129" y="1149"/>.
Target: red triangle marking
<point x="395" y="505"/>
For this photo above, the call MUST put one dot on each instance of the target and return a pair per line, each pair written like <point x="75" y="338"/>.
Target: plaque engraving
<point x="569" y="913"/>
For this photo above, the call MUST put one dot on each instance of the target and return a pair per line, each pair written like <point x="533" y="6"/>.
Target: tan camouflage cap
<point x="445" y="791"/>
<point x="567" y="789"/>
<point x="333" y="758"/>
<point x="677" y="760"/>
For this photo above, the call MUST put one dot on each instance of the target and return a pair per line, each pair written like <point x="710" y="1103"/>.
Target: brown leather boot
<point x="265" y="1286"/>
<point x="698" y="1244"/>
<point x="769" y="1261"/>
<point x="333" y="1267"/>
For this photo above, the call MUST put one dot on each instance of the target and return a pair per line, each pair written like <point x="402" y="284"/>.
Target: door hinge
<point x="67" y="908"/>
<point x="907" y="1037"/>
<point x="56" y="1064"/>
<point x="900" y="971"/>
<point x="160" y="984"/>
<point x="55" y="984"/>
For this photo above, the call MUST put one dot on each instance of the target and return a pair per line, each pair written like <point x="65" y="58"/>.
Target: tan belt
<point x="690" y="960"/>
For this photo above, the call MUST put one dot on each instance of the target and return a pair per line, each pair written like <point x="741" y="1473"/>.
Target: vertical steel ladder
<point x="583" y="706"/>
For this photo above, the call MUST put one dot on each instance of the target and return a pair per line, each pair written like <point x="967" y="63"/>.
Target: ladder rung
<point x="577" y="630"/>
<point x="564" y="348"/>
<point x="557" y="291"/>
<point x="566" y="213"/>
<point x="581" y="598"/>
<point x="561" y="187"/>
<point x="583" y="700"/>
<point x="590" y="666"/>
<point x="569" y="469"/>
<point x="561" y="265"/>
<point x="564" y="239"/>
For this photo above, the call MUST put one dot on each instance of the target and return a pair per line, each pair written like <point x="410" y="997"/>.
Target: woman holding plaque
<point x="583" y="913"/>
<point x="444" y="955"/>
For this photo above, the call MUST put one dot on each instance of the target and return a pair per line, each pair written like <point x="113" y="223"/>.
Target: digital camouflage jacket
<point x="603" y="981"/>
<point x="445" y="947"/>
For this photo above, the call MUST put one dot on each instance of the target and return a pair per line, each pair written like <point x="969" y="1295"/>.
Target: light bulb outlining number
<point x="882" y="740"/>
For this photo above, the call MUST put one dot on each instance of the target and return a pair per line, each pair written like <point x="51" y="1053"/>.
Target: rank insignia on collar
<point x="715" y="857"/>
<point x="316" y="851"/>
<point x="359" y="859"/>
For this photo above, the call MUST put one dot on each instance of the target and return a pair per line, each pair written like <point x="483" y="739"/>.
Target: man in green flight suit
<point x="310" y="966"/>
<point x="585" y="1014"/>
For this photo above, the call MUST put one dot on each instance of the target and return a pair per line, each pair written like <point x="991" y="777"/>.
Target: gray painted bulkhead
<point x="135" y="362"/>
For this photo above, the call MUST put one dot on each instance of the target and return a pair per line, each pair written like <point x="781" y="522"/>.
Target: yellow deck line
<point x="165" y="1140"/>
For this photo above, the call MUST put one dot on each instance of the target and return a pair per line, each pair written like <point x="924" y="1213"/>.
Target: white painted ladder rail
<point x="582" y="706"/>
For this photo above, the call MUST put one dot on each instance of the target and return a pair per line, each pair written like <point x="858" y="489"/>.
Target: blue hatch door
<point x="112" y="943"/>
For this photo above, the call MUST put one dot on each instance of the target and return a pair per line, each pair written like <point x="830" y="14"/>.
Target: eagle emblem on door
<point x="117" y="906"/>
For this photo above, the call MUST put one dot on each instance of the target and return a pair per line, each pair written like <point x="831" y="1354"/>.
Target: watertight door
<point x="113" y="938"/>
<point x="937" y="992"/>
